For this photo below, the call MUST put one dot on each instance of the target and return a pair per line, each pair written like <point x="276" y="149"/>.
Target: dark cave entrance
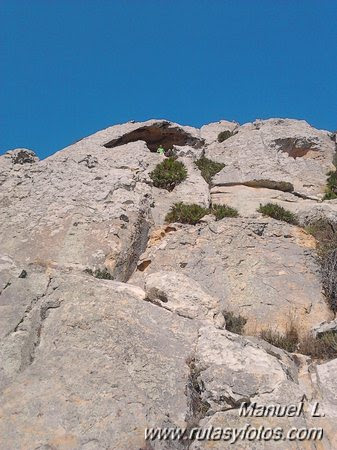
<point x="162" y="133"/>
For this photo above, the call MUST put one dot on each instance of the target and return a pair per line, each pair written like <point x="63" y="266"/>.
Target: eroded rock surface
<point x="282" y="154"/>
<point x="264" y="270"/>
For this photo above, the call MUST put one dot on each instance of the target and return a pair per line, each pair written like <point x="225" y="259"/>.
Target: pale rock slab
<point x="211" y="131"/>
<point x="183" y="296"/>
<point x="262" y="269"/>
<point x="105" y="366"/>
<point x="283" y="154"/>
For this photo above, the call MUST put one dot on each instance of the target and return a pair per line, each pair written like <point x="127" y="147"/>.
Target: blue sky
<point x="72" y="67"/>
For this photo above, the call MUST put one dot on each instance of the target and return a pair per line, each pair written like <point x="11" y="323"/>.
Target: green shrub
<point x="225" y="135"/>
<point x="102" y="274"/>
<point x="168" y="174"/>
<point x="186" y="213"/>
<point x="221" y="211"/>
<point x="287" y="341"/>
<point x="277" y="212"/>
<point x="208" y="168"/>
<point x="234" y="324"/>
<point x="331" y="189"/>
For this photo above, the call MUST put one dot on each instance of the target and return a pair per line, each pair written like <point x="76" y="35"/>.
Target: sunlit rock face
<point x="113" y="320"/>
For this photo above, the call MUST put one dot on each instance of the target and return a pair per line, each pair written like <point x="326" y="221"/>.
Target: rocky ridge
<point x="89" y="363"/>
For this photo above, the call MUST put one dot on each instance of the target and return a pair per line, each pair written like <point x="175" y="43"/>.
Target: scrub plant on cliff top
<point x="221" y="211"/>
<point x="278" y="212"/>
<point x="208" y="168"/>
<point x="186" y="213"/>
<point x="226" y="134"/>
<point x="192" y="213"/>
<point x="168" y="174"/>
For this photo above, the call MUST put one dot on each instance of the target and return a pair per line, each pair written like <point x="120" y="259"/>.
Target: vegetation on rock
<point x="287" y="341"/>
<point x="186" y="213"/>
<point x="102" y="274"/>
<point x="234" y="324"/>
<point x="221" y="211"/>
<point x="278" y="212"/>
<point x="326" y="236"/>
<point x="198" y="406"/>
<point x="225" y="135"/>
<point x="168" y="174"/>
<point x="192" y="213"/>
<point x="331" y="189"/>
<point x="208" y="168"/>
<point x="323" y="347"/>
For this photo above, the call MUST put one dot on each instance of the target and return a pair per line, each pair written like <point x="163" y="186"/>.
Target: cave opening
<point x="162" y="133"/>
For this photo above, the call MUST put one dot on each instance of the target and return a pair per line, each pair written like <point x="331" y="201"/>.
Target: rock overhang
<point x="162" y="133"/>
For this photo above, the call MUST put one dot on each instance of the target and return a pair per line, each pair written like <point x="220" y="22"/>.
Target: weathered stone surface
<point x="283" y="154"/>
<point x="233" y="371"/>
<point x="328" y="387"/>
<point x="184" y="296"/>
<point x="230" y="371"/>
<point x="263" y="269"/>
<point x="248" y="199"/>
<point x="211" y="131"/>
<point x="106" y="365"/>
<point x="325" y="327"/>
<point x="21" y="156"/>
<point x="62" y="213"/>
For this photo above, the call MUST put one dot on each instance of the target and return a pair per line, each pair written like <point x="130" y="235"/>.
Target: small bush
<point x="186" y="213"/>
<point x="208" y="168"/>
<point x="234" y="324"/>
<point x="323" y="347"/>
<point x="325" y="234"/>
<point x="102" y="274"/>
<point x="278" y="212"/>
<point x="221" y="211"/>
<point x="331" y="189"/>
<point x="225" y="135"/>
<point x="326" y="237"/>
<point x="287" y="341"/>
<point x="168" y="174"/>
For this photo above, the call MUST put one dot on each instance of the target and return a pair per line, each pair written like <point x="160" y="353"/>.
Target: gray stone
<point x="282" y="154"/>
<point x="325" y="327"/>
<point x="106" y="364"/>
<point x="262" y="269"/>
<point x="184" y="296"/>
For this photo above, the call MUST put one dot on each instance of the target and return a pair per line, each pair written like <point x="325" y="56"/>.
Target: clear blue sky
<point x="72" y="67"/>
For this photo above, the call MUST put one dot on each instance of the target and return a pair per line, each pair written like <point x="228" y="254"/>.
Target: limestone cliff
<point x="88" y="362"/>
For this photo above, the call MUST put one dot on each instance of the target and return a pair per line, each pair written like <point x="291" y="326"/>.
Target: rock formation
<point x="112" y="321"/>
